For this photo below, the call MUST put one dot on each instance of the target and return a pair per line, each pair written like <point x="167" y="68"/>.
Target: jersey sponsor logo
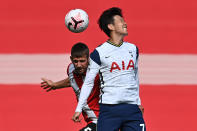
<point x="115" y="66"/>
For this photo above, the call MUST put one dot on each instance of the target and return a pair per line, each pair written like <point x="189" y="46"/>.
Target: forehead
<point x="118" y="18"/>
<point x="84" y="57"/>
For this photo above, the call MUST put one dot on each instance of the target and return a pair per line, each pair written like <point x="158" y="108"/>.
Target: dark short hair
<point x="79" y="49"/>
<point x="107" y="18"/>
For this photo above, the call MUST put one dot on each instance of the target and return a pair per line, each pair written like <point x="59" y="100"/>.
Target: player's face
<point x="120" y="26"/>
<point x="80" y="64"/>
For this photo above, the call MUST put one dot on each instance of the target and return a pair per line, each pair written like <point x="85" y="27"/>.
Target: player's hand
<point x="141" y="108"/>
<point x="47" y="84"/>
<point x="75" y="117"/>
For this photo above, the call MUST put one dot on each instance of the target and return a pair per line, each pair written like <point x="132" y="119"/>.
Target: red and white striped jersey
<point x="91" y="109"/>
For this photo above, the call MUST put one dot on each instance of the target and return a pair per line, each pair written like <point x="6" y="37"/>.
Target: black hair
<point x="79" y="49"/>
<point x="107" y="18"/>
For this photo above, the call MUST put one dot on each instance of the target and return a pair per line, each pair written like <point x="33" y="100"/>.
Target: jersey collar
<point x="108" y="41"/>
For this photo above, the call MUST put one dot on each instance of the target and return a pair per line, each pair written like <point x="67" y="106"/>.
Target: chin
<point x="125" y="34"/>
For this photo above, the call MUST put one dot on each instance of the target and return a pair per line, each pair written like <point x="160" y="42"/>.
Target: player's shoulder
<point x="107" y="46"/>
<point x="98" y="53"/>
<point x="99" y="49"/>
<point x="130" y="45"/>
<point x="70" y="68"/>
<point x="102" y="46"/>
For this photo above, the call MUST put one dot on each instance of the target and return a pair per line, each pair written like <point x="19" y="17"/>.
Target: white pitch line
<point x="153" y="68"/>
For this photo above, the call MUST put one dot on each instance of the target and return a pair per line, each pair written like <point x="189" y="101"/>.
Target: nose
<point x="78" y="64"/>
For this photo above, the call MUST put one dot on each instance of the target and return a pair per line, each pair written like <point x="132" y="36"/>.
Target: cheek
<point x="84" y="65"/>
<point x="75" y="65"/>
<point x="119" y="27"/>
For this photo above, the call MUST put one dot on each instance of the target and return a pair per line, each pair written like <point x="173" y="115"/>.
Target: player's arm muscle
<point x="62" y="84"/>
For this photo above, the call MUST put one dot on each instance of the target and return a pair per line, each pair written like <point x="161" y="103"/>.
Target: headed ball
<point x="76" y="20"/>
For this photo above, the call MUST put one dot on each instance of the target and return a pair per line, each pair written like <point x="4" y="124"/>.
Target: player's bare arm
<point x="49" y="85"/>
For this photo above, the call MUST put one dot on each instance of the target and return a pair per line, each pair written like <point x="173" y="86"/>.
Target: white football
<point x="76" y="20"/>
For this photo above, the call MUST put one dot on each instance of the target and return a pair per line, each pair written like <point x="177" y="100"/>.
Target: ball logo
<point x="76" y="21"/>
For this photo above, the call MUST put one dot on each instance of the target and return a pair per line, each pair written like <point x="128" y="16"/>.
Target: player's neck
<point x="116" y="40"/>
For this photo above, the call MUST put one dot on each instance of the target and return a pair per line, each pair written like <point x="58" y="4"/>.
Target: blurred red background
<point x="156" y="27"/>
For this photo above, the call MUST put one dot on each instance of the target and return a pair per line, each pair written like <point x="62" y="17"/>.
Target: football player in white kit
<point x="76" y="73"/>
<point x="116" y="61"/>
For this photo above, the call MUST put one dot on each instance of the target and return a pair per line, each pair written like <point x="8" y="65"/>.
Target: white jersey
<point x="118" y="71"/>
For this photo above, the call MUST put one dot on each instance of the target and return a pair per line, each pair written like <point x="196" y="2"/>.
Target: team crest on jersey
<point x="130" y="52"/>
<point x="115" y="66"/>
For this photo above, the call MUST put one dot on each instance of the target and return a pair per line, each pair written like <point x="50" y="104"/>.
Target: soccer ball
<point x="76" y="20"/>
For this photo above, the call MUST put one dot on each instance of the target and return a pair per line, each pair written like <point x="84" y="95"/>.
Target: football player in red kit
<point x="76" y="73"/>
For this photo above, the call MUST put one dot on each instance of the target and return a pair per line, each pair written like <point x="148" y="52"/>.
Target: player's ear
<point x="111" y="27"/>
<point x="71" y="58"/>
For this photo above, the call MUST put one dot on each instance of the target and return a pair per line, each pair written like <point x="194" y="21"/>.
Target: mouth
<point x="124" y="27"/>
<point x="80" y="70"/>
